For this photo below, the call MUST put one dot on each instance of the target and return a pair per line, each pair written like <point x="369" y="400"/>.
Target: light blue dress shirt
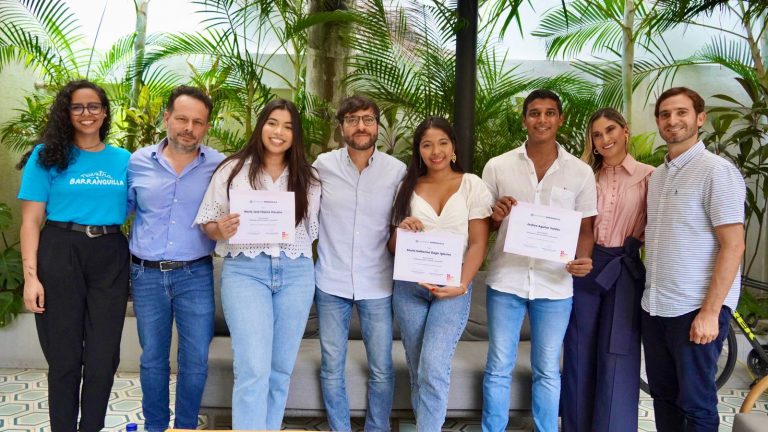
<point x="355" y="211"/>
<point x="166" y="204"/>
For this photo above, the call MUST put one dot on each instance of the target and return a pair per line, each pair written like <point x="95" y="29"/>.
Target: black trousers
<point x="86" y="290"/>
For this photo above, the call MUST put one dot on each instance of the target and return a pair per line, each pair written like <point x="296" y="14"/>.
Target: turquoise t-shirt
<point x="93" y="190"/>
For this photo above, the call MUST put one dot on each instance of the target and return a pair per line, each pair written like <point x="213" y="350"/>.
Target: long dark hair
<point x="59" y="133"/>
<point x="590" y="156"/>
<point x="417" y="168"/>
<point x="300" y="172"/>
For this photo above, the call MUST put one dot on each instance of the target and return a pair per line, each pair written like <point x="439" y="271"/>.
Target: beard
<point x="350" y="142"/>
<point x="183" y="147"/>
<point x="681" y="136"/>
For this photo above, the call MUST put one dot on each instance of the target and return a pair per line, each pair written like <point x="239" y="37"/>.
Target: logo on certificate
<point x="563" y="254"/>
<point x="284" y="236"/>
<point x="449" y="278"/>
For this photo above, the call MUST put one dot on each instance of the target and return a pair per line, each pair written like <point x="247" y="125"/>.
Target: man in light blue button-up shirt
<point x="353" y="264"/>
<point x="171" y="269"/>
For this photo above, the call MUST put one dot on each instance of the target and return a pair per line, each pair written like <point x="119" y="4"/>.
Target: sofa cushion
<point x="305" y="395"/>
<point x="750" y="422"/>
<point x="476" y="329"/>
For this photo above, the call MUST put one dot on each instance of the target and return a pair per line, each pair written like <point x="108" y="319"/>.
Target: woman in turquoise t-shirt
<point x="76" y="267"/>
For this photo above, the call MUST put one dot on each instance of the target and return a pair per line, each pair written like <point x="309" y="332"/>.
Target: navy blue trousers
<point x="681" y="374"/>
<point x="601" y="353"/>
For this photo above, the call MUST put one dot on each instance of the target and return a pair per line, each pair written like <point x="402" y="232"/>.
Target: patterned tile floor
<point x="24" y="405"/>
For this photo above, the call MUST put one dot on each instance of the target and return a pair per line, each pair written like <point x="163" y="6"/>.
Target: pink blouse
<point x="621" y="194"/>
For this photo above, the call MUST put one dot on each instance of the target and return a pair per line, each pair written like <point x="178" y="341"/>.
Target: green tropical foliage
<point x="612" y="30"/>
<point x="739" y="133"/>
<point x="404" y="59"/>
<point x="44" y="36"/>
<point x="11" y="275"/>
<point x="402" y="55"/>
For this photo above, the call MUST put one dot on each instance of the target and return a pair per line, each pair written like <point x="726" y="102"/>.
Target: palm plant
<point x="403" y="58"/>
<point x="43" y="35"/>
<point x="224" y="59"/>
<point x="614" y="28"/>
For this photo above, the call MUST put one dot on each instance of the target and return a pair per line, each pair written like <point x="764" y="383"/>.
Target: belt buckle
<point x="164" y="263"/>
<point x="90" y="231"/>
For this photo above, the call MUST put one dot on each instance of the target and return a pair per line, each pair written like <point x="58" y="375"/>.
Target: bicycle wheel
<point x="756" y="365"/>
<point x="725" y="364"/>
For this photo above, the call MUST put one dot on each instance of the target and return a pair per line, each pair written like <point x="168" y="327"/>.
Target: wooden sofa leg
<point x="395" y="424"/>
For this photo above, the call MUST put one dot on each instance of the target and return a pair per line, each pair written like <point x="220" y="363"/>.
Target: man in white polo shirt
<point x="694" y="246"/>
<point x="541" y="172"/>
<point x="354" y="267"/>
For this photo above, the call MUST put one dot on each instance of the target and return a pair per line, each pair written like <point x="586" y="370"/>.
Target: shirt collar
<point x="686" y="157"/>
<point x="561" y="153"/>
<point x="370" y="159"/>
<point x="629" y="164"/>
<point x="162" y="144"/>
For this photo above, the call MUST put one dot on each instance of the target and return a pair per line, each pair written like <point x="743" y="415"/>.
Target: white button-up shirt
<point x="687" y="198"/>
<point x="355" y="211"/>
<point x="569" y="183"/>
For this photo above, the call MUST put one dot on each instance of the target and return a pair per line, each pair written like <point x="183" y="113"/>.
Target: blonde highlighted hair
<point x="590" y="156"/>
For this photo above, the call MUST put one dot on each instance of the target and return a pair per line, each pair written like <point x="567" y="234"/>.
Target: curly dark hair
<point x="59" y="133"/>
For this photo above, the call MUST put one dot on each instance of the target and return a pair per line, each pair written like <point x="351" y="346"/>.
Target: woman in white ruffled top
<point x="437" y="195"/>
<point x="266" y="289"/>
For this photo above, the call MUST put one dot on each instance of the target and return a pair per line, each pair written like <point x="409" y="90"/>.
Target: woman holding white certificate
<point x="436" y="195"/>
<point x="266" y="287"/>
<point x="601" y="362"/>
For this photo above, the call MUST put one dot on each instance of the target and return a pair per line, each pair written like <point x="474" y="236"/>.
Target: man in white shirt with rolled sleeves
<point x="353" y="266"/>
<point x="541" y="172"/>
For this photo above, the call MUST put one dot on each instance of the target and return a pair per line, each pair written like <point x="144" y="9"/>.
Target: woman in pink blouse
<point x="601" y="360"/>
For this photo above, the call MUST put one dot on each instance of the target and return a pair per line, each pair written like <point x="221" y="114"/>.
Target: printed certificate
<point x="433" y="257"/>
<point x="265" y="217"/>
<point x="544" y="232"/>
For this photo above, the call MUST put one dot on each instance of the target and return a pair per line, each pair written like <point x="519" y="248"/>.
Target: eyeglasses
<point x="355" y="120"/>
<point x="93" y="108"/>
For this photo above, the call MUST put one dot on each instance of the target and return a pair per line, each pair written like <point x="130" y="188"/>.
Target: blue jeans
<point x="430" y="329"/>
<point x="186" y="296"/>
<point x="681" y="374"/>
<point x="266" y="303"/>
<point x="549" y="320"/>
<point x="334" y="314"/>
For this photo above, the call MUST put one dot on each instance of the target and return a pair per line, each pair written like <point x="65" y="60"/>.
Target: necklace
<point x="91" y="148"/>
<point x="550" y="164"/>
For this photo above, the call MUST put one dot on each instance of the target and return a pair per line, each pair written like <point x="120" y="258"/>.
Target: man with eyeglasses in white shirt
<point x="353" y="266"/>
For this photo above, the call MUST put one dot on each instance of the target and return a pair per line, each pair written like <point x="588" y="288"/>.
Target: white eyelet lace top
<point x="215" y="204"/>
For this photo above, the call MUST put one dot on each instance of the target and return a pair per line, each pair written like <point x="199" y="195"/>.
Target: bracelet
<point x="461" y="285"/>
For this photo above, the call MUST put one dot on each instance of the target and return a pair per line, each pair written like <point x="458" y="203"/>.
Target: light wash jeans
<point x="430" y="329"/>
<point x="184" y="295"/>
<point x="549" y="320"/>
<point x="334" y="314"/>
<point x="266" y="303"/>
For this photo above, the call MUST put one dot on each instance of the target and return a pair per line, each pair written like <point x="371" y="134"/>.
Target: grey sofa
<point x="305" y="398"/>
